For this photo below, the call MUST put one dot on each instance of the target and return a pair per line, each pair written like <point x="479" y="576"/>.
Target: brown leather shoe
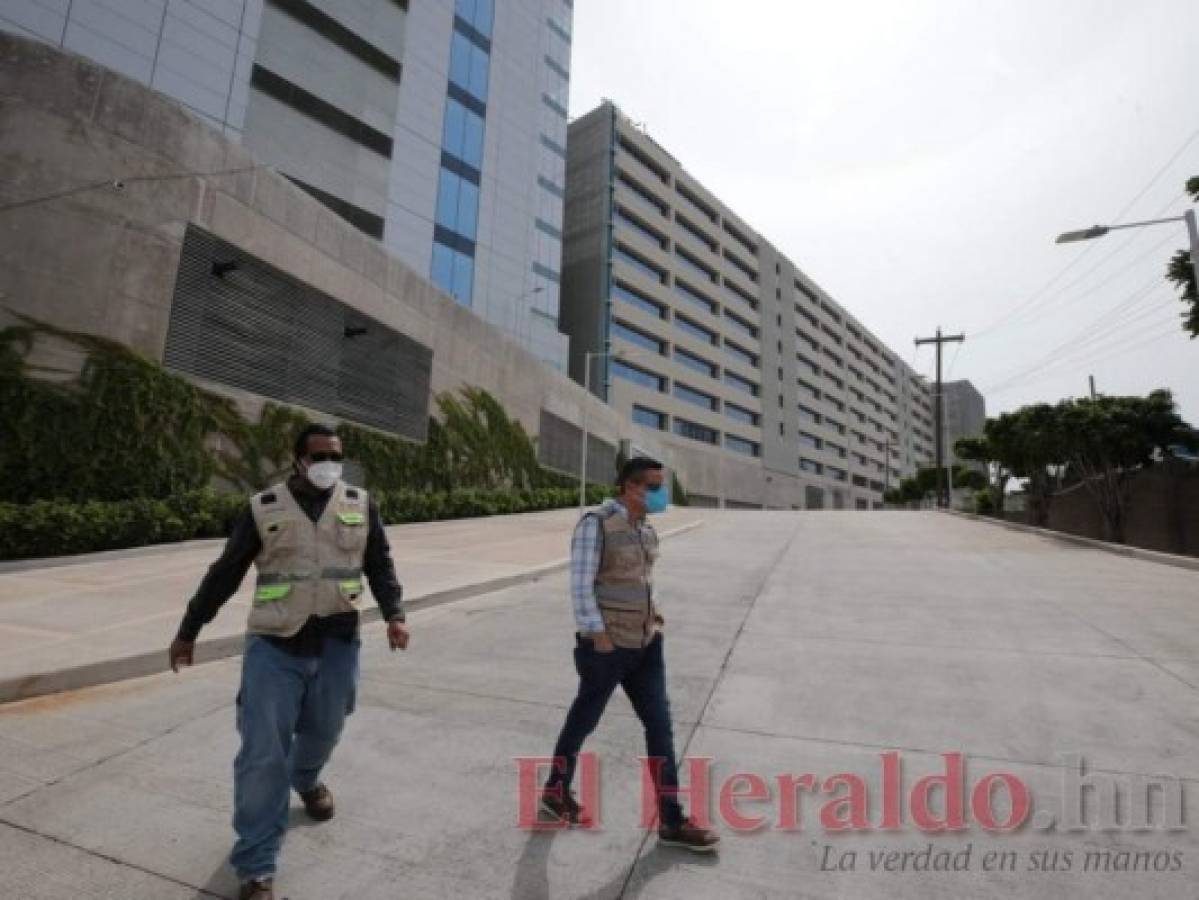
<point x="257" y="889"/>
<point x="564" y="808"/>
<point x="318" y="803"/>
<point x="690" y="837"/>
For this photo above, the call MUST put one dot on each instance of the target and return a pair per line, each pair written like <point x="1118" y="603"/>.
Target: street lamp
<point x="1097" y="231"/>
<point x="587" y="358"/>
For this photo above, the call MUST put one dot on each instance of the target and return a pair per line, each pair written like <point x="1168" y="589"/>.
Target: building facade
<point x="965" y="416"/>
<point x="695" y="326"/>
<point x="436" y="127"/>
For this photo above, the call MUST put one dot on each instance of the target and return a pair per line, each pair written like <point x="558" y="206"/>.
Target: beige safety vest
<point x="307" y="568"/>
<point x="624" y="584"/>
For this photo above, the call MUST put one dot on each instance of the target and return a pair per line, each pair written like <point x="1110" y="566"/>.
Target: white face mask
<point x="324" y="475"/>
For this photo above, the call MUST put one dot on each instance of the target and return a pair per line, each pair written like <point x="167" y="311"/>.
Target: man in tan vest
<point x="312" y="540"/>
<point x="619" y="642"/>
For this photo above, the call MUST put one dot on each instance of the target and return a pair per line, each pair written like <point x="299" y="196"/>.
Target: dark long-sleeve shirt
<point x="225" y="576"/>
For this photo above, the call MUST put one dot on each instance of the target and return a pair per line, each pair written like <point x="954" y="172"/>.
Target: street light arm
<point x="1097" y="231"/>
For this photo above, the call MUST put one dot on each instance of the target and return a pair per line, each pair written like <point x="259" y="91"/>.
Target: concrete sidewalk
<point x="89" y="620"/>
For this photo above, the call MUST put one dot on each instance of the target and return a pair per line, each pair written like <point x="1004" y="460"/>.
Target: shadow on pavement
<point x="221" y="883"/>
<point x="532" y="870"/>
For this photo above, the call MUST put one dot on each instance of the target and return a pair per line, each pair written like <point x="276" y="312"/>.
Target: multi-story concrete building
<point x="965" y="416"/>
<point x="438" y="127"/>
<point x="697" y="327"/>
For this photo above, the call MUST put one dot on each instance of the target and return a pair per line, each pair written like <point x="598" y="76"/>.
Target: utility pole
<point x="940" y="340"/>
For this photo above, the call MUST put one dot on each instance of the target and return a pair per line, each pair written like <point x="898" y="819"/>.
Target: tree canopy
<point x="1098" y="442"/>
<point x="1182" y="273"/>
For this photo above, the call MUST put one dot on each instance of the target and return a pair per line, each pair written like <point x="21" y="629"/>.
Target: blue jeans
<point x="642" y="674"/>
<point x="290" y="713"/>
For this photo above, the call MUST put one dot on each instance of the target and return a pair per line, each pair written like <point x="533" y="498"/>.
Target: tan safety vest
<point x="624" y="584"/>
<point x="307" y="568"/>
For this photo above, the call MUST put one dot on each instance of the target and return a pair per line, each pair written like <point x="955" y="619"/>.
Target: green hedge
<point x="57" y="528"/>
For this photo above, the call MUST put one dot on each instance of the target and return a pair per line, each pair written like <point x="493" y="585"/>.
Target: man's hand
<point x="181" y="653"/>
<point x="603" y="643"/>
<point x="397" y="636"/>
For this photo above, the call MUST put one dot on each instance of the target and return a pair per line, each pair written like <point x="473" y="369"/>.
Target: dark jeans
<point x="642" y="674"/>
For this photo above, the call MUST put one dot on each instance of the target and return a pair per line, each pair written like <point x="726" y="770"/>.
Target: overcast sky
<point x="918" y="157"/>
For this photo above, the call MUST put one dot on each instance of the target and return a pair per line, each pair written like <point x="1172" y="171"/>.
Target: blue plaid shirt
<point x="585" y="550"/>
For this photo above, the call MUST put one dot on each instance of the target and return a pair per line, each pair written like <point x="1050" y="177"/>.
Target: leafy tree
<point x="923" y="485"/>
<point x="1107" y="439"/>
<point x="1022" y="444"/>
<point x="1182" y="273"/>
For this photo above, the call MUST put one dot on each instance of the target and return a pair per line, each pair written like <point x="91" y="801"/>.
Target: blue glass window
<point x="638" y="376"/>
<point x="690" y="395"/>
<point x="457" y="204"/>
<point x="636" y="337"/>
<point x="696" y="331"/>
<point x="479" y="14"/>
<point x="641" y="265"/>
<point x="737" y="414"/>
<point x="695" y="268"/>
<point x="453" y="272"/>
<point x="695" y="431"/>
<point x="741" y="384"/>
<point x="740" y="445"/>
<point x="652" y="236"/>
<point x="462" y="134"/>
<point x="742" y="355"/>
<point x="649" y="418"/>
<point x="695" y="363"/>
<point x="634" y="298"/>
<point x="741" y="325"/>
<point x="468" y="66"/>
<point x="442" y="271"/>
<point x="447" y="200"/>
<point x="694" y="297"/>
<point x="464" y="277"/>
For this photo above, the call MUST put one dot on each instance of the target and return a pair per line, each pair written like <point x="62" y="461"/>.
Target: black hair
<point x="300" y="450"/>
<point x="635" y="467"/>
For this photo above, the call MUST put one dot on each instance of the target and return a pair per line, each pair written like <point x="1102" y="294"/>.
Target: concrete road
<point x="796" y="644"/>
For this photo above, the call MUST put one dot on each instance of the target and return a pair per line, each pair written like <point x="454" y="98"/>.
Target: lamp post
<point x="587" y="358"/>
<point x="1097" y="231"/>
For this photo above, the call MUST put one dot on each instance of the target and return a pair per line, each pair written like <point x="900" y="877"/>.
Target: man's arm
<point x="224" y="577"/>
<point x="584" y="564"/>
<point x="380" y="570"/>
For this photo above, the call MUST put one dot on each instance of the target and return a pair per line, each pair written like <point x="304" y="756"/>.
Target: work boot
<point x="318" y="803"/>
<point x="564" y="808"/>
<point x="257" y="889"/>
<point x="690" y="837"/>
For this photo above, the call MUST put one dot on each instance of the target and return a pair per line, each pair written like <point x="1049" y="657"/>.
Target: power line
<point x="1098" y="325"/>
<point x="1102" y="354"/>
<point x="1032" y="298"/>
<point x="1113" y="337"/>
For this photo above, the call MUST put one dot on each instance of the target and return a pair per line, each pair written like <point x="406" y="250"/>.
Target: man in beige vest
<point x="619" y="642"/>
<point x="313" y="540"/>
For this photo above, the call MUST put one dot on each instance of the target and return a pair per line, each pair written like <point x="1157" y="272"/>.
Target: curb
<point x="1154" y="556"/>
<point x="107" y="671"/>
<point x="17" y="566"/>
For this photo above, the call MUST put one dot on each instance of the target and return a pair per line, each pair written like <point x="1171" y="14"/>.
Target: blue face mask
<point x="656" y="499"/>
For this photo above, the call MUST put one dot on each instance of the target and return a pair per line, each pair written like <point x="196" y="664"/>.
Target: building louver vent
<point x="238" y="321"/>
<point x="558" y="448"/>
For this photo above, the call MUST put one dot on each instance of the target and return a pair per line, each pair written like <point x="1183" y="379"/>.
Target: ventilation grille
<point x="238" y="321"/>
